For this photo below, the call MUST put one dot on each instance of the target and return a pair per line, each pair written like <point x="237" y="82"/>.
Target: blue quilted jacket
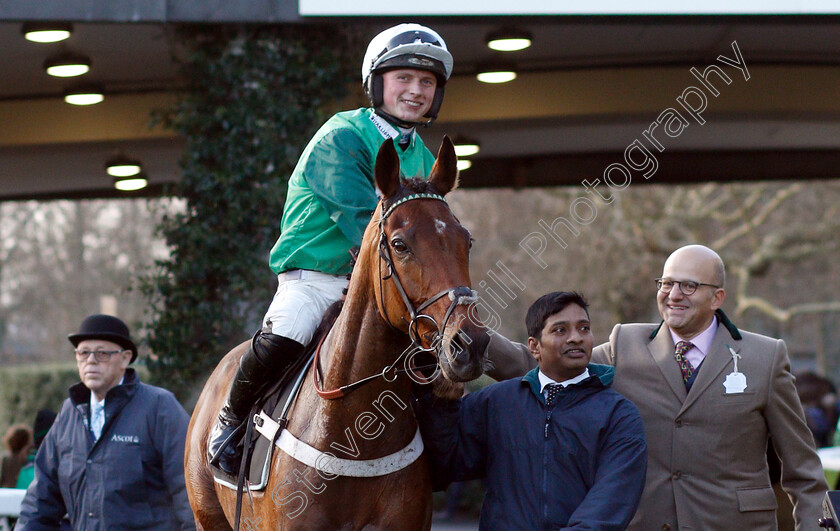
<point x="131" y="478"/>
<point x="577" y="464"/>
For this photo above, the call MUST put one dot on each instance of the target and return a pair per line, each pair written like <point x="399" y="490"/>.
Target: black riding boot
<point x="267" y="358"/>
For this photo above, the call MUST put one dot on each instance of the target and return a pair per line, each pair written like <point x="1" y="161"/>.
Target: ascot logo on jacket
<point x="131" y="439"/>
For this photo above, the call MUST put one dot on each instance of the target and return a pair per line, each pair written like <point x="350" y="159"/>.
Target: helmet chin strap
<point x="400" y="123"/>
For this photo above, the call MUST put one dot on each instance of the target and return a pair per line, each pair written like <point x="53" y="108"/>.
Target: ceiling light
<point x="46" y="31"/>
<point x="465" y="147"/>
<point x="464" y="164"/>
<point x="508" y="40"/>
<point x="122" y="166"/>
<point x="67" y="65"/>
<point x="130" y="184"/>
<point x="498" y="74"/>
<point x="84" y="95"/>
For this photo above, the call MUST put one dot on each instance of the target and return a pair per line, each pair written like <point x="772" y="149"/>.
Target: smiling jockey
<point x="331" y="198"/>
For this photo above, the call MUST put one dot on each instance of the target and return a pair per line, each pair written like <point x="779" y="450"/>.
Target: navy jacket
<point x="579" y="464"/>
<point x="131" y="478"/>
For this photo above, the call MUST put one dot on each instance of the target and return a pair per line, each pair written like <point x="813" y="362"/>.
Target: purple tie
<point x="685" y="366"/>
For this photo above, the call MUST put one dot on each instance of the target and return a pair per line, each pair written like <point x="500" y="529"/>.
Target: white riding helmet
<point x="406" y="46"/>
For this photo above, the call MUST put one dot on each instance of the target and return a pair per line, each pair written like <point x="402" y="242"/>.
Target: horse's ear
<point x="445" y="171"/>
<point x="387" y="169"/>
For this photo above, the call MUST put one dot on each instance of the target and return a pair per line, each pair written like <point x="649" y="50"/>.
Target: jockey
<point x="330" y="200"/>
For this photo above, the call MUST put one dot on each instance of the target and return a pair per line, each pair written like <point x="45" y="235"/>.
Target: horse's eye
<point x="399" y="246"/>
<point x="472" y="240"/>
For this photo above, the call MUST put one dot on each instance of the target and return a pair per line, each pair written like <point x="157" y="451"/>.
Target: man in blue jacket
<point x="558" y="448"/>
<point x="114" y="458"/>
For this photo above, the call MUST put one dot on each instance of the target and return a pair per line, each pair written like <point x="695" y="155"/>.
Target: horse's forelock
<point x="414" y="185"/>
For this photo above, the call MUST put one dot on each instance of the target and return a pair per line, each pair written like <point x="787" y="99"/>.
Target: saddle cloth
<point x="275" y="404"/>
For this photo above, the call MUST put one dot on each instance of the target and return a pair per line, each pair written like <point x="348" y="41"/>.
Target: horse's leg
<point x="209" y="514"/>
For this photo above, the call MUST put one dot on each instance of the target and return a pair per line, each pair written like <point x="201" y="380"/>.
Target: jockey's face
<point x="408" y="93"/>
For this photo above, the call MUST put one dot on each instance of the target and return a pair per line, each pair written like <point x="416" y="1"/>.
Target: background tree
<point x="254" y="97"/>
<point x="59" y="260"/>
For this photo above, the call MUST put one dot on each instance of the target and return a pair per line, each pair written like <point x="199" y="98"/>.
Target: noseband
<point x="460" y="295"/>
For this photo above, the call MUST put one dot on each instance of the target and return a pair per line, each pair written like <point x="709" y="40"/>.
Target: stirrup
<point x="231" y="438"/>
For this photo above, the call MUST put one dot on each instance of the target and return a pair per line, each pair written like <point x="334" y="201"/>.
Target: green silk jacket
<point x="332" y="193"/>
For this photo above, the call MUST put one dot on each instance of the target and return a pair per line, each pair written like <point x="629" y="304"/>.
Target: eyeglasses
<point x="102" y="356"/>
<point x="687" y="287"/>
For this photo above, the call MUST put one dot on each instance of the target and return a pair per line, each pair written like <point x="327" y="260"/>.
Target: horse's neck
<point x="362" y="344"/>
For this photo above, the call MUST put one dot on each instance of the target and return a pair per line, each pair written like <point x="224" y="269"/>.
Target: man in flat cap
<point x="114" y="458"/>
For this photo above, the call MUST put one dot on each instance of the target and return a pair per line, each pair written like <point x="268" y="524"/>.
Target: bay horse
<point x="409" y="293"/>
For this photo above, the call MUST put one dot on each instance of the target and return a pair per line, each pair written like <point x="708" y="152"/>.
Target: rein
<point x="345" y="390"/>
<point x="460" y="295"/>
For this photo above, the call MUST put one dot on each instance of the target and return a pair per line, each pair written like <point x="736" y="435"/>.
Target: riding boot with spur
<point x="268" y="356"/>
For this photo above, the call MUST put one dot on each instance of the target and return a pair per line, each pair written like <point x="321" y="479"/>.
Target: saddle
<point x="275" y="405"/>
<point x="258" y="449"/>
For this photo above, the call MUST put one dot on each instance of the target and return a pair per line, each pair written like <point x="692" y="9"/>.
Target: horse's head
<point x="424" y="280"/>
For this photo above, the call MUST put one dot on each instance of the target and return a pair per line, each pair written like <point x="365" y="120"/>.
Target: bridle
<point x="459" y="295"/>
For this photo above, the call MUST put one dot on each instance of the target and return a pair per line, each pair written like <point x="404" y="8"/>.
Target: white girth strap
<point x="330" y="464"/>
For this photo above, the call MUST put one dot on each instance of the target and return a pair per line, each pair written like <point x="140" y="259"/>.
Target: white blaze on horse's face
<point x="440" y="226"/>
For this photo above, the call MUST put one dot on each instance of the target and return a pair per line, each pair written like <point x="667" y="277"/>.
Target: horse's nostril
<point x="468" y="346"/>
<point x="461" y="349"/>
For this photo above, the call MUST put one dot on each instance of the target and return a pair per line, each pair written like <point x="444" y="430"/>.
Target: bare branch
<point x="784" y="315"/>
<point x="751" y="224"/>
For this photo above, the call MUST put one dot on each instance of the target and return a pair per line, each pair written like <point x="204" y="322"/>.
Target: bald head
<point x="704" y="257"/>
<point x="689" y="315"/>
